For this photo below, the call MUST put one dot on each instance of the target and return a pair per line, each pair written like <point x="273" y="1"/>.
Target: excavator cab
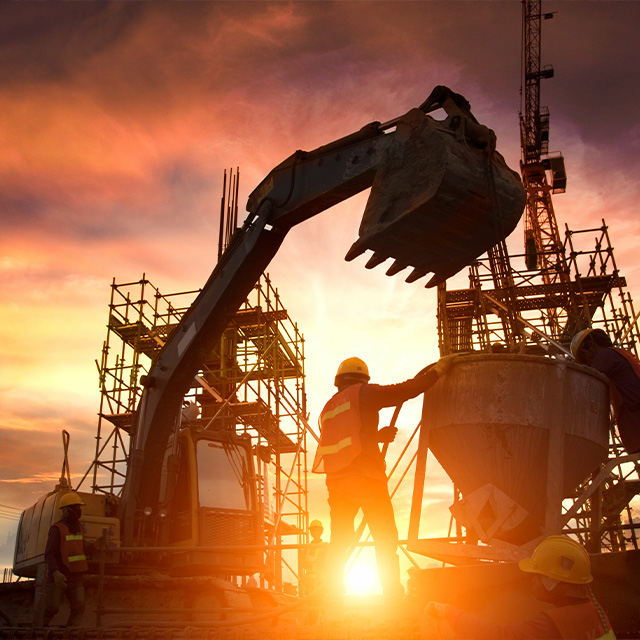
<point x="211" y="501"/>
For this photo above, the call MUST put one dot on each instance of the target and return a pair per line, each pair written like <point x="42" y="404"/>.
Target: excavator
<point x="440" y="196"/>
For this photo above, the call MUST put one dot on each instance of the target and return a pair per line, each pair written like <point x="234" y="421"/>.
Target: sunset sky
<point x="118" y="120"/>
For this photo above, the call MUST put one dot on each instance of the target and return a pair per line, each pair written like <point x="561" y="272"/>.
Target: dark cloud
<point x="48" y="41"/>
<point x="130" y="53"/>
<point x="64" y="38"/>
<point x="593" y="47"/>
<point x="118" y="118"/>
<point x="20" y="209"/>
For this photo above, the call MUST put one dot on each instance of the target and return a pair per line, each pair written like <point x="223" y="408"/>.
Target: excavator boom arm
<point x="303" y="185"/>
<point x="297" y="189"/>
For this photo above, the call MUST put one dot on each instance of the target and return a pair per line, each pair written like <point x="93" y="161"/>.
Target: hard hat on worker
<point x="353" y="367"/>
<point x="578" y="341"/>
<point x="69" y="499"/>
<point x="315" y="524"/>
<point x="560" y="558"/>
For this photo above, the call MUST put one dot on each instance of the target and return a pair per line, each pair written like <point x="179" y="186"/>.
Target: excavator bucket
<point x="440" y="200"/>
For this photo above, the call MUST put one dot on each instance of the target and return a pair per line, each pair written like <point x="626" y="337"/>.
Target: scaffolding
<point x="516" y="319"/>
<point x="252" y="382"/>
<point x="535" y="302"/>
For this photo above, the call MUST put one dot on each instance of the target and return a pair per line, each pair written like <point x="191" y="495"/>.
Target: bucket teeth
<point x="376" y="259"/>
<point x="396" y="267"/>
<point x="416" y="274"/>
<point x="357" y="249"/>
<point x="436" y="279"/>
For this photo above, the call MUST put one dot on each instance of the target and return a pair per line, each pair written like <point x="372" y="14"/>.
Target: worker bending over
<point x="593" y="347"/>
<point x="66" y="562"/>
<point x="349" y="455"/>
<point x="562" y="573"/>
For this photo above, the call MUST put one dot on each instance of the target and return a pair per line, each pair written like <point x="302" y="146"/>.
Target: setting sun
<point x="362" y="578"/>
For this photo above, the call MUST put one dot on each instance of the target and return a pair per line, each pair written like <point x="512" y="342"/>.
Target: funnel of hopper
<point x="496" y="423"/>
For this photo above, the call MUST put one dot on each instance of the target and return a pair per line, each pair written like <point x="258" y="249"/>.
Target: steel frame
<point x="253" y="382"/>
<point x="559" y="289"/>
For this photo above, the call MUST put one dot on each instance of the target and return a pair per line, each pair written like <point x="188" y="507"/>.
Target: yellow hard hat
<point x="315" y="523"/>
<point x="69" y="499"/>
<point x="577" y="342"/>
<point x="353" y="366"/>
<point x="560" y="558"/>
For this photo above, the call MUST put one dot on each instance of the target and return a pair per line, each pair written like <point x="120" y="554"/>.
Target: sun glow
<point x="362" y="579"/>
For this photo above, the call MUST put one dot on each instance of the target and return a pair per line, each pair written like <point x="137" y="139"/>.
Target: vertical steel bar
<point x="419" y="479"/>
<point x="222" y="209"/>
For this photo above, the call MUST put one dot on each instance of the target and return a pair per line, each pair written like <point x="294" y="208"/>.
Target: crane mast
<point x="543" y="246"/>
<point x="534" y="303"/>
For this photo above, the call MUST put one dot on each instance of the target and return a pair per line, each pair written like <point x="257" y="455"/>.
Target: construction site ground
<point x="354" y="618"/>
<point x="147" y="607"/>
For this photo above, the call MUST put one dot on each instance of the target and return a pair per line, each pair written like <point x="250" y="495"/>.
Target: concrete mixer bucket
<point x="443" y="198"/>
<point x="516" y="434"/>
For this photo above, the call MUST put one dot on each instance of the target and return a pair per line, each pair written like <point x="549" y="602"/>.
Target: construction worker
<point x="593" y="347"/>
<point x="561" y="574"/>
<point x="349" y="455"/>
<point x="314" y="560"/>
<point x="66" y="561"/>
<point x="314" y="571"/>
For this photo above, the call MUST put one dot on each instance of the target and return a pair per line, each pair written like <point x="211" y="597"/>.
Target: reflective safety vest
<point x="339" y="432"/>
<point x="72" y="549"/>
<point x="586" y="621"/>
<point x="314" y="561"/>
<point x="314" y="558"/>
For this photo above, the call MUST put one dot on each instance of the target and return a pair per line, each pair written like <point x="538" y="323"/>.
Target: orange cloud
<point x="118" y="119"/>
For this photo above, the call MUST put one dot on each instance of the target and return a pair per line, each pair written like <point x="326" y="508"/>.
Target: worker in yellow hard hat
<point x="66" y="561"/>
<point x="313" y="560"/>
<point x="593" y="347"/>
<point x="349" y="455"/>
<point x="313" y="569"/>
<point x="561" y="575"/>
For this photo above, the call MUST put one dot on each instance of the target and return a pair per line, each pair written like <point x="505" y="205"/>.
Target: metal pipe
<point x="221" y="232"/>
<point x="520" y="319"/>
<point x="600" y="478"/>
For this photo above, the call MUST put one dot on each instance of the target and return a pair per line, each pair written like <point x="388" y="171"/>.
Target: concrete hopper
<point x="516" y="434"/>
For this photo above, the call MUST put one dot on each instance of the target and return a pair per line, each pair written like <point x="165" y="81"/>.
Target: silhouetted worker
<point x="562" y="573"/>
<point x="593" y="347"/>
<point x="314" y="571"/>
<point x="349" y="455"/>
<point x="67" y="563"/>
<point x="314" y="560"/>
